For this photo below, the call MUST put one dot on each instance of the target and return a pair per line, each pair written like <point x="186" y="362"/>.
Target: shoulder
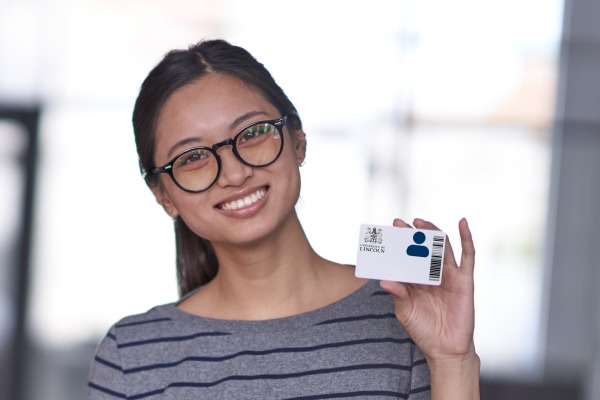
<point x="368" y="308"/>
<point x="337" y="281"/>
<point x="158" y="313"/>
<point x="157" y="320"/>
<point x="107" y="377"/>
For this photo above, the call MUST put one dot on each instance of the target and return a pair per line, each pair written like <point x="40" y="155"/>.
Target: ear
<point x="300" y="145"/>
<point x="162" y="198"/>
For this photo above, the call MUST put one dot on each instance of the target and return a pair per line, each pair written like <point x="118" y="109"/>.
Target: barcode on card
<point x="437" y="255"/>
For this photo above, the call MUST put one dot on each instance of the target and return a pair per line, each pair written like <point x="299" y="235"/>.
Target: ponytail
<point x="197" y="263"/>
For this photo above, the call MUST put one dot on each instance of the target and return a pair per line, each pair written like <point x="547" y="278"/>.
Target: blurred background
<point x="429" y="108"/>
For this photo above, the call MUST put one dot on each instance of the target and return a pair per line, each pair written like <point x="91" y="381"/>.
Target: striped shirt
<point x="353" y="348"/>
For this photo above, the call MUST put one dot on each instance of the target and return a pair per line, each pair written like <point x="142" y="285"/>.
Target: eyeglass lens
<point x="257" y="145"/>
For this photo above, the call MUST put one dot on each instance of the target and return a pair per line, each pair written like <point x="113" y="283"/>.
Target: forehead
<point x="207" y="107"/>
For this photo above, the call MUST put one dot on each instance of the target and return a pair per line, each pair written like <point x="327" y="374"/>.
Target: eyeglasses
<point x="197" y="169"/>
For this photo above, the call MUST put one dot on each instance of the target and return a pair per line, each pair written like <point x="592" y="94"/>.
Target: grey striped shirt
<point x="353" y="348"/>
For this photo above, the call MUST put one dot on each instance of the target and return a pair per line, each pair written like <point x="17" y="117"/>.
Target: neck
<point x="273" y="277"/>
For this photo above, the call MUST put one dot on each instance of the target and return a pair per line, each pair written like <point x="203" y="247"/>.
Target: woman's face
<point x="204" y="113"/>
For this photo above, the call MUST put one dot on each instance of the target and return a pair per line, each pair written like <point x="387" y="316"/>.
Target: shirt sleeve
<point x="420" y="381"/>
<point x="106" y="380"/>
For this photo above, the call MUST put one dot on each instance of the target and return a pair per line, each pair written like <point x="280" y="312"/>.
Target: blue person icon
<point x="416" y="250"/>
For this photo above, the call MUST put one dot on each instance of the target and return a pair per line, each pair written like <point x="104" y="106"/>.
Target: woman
<point x="262" y="315"/>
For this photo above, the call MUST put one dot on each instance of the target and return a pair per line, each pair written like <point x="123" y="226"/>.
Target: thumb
<point x="402" y="299"/>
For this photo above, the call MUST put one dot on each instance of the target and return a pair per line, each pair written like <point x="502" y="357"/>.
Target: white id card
<point x="400" y="254"/>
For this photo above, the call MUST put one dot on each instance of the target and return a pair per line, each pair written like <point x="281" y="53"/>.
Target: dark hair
<point x="197" y="262"/>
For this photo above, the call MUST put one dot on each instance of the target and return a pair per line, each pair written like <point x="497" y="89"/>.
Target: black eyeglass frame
<point x="168" y="167"/>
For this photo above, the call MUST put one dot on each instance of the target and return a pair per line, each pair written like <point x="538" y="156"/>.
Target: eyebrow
<point x="198" y="139"/>
<point x="244" y="118"/>
<point x="184" y="142"/>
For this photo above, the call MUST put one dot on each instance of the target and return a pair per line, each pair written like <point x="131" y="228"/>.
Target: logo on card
<point x="373" y="238"/>
<point x="417" y="249"/>
<point x="374" y="235"/>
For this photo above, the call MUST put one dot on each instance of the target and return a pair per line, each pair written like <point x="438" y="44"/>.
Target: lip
<point x="248" y="210"/>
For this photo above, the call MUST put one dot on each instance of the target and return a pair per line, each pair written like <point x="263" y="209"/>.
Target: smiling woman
<point x="168" y="116"/>
<point x="262" y="315"/>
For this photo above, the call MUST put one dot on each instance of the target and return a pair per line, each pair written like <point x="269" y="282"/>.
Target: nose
<point x="233" y="171"/>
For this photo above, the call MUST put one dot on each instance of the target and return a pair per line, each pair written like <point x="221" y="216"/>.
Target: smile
<point x="244" y="202"/>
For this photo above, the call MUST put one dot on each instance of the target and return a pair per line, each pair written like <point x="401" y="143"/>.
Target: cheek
<point x="189" y="206"/>
<point x="290" y="152"/>
<point x="197" y="216"/>
<point x="290" y="178"/>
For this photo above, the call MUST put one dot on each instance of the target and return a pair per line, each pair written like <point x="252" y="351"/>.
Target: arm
<point x="106" y="380"/>
<point x="455" y="378"/>
<point x="440" y="320"/>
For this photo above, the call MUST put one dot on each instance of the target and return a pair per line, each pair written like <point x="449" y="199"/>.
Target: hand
<point x="440" y="319"/>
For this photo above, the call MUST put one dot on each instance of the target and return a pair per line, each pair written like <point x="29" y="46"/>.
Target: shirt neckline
<point x="293" y="322"/>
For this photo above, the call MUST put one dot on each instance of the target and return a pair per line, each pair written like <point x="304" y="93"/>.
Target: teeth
<point x="246" y="201"/>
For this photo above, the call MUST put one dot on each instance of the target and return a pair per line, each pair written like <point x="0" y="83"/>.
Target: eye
<point x="256" y="133"/>
<point x="193" y="159"/>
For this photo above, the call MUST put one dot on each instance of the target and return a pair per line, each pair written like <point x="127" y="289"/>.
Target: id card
<point x="400" y="254"/>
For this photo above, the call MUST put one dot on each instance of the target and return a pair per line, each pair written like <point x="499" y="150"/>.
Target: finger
<point x="400" y="223"/>
<point x="467" y="259"/>
<point x="449" y="252"/>
<point x="402" y="302"/>
<point x="397" y="289"/>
